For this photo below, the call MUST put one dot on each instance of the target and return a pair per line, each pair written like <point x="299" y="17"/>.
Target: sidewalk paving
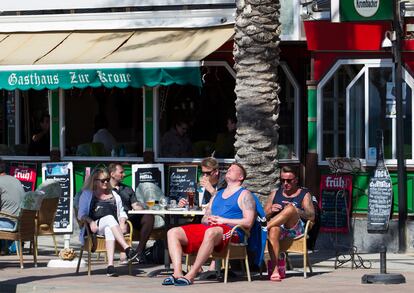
<point x="324" y="278"/>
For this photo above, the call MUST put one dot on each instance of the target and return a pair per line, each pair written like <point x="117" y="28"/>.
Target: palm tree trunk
<point x="256" y="55"/>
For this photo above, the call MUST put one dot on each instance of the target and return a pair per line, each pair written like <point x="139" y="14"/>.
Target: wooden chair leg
<point x="246" y="260"/>
<point x="21" y="254"/>
<point x="54" y="241"/>
<point x="226" y="266"/>
<point x="89" y="257"/>
<point x="35" y="251"/>
<point x="80" y="259"/>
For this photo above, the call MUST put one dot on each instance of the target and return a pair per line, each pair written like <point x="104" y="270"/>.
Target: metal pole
<point x="402" y="175"/>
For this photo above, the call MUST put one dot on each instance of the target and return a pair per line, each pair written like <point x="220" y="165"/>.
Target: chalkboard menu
<point x="181" y="178"/>
<point x="335" y="203"/>
<point x="379" y="194"/>
<point x="63" y="173"/>
<point x="153" y="173"/>
<point x="26" y="175"/>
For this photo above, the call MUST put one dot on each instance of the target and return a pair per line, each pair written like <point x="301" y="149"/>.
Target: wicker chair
<point x="232" y="251"/>
<point x="46" y="215"/>
<point x="299" y="245"/>
<point x="26" y="224"/>
<point x="100" y="245"/>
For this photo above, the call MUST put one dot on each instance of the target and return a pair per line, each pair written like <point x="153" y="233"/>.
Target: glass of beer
<point x="150" y="202"/>
<point x="190" y="198"/>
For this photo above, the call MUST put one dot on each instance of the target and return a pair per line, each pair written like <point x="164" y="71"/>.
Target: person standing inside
<point x="11" y="197"/>
<point x="102" y="134"/>
<point x="143" y="223"/>
<point x="231" y="206"/>
<point x="40" y="143"/>
<point x="175" y="142"/>
<point x="286" y="210"/>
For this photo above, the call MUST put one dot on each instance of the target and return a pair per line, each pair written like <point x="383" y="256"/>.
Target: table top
<point x="168" y="212"/>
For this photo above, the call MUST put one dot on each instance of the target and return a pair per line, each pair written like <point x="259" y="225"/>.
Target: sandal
<point x="170" y="280"/>
<point x="182" y="281"/>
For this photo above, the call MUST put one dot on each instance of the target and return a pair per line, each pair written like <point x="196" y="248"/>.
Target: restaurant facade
<point x="145" y="65"/>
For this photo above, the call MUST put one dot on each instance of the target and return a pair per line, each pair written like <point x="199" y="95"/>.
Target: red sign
<point x="335" y="202"/>
<point x="26" y="175"/>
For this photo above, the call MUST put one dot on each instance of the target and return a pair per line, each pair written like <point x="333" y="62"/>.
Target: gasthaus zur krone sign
<point x="379" y="194"/>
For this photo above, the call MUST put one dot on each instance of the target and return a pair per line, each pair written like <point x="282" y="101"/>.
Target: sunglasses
<point x="283" y="180"/>
<point x="103" y="180"/>
<point x="207" y="173"/>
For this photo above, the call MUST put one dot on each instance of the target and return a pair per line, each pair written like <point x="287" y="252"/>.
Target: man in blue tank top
<point x="229" y="207"/>
<point x="286" y="209"/>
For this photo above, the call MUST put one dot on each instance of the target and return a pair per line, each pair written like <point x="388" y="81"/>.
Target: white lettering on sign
<point x="76" y="77"/>
<point x="336" y="182"/>
<point x="25" y="175"/>
<point x="33" y="79"/>
<point x="113" y="77"/>
<point x="145" y="176"/>
<point x="366" y="8"/>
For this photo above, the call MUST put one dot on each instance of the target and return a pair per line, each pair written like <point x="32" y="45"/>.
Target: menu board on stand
<point x="335" y="203"/>
<point x="153" y="173"/>
<point x="26" y="174"/>
<point x="379" y="194"/>
<point x="181" y="178"/>
<point x="63" y="173"/>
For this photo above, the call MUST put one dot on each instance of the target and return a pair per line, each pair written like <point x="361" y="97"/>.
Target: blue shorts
<point x="293" y="232"/>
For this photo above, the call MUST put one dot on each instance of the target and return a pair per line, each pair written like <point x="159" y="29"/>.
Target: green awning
<point x="96" y="77"/>
<point x="110" y="58"/>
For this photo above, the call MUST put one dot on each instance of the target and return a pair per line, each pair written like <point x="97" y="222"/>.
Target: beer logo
<point x="366" y="8"/>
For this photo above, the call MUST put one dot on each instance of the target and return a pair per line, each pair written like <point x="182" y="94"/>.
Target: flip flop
<point x="170" y="280"/>
<point x="181" y="281"/>
<point x="274" y="278"/>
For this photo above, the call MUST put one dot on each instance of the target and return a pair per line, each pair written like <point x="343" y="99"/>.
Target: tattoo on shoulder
<point x="248" y="202"/>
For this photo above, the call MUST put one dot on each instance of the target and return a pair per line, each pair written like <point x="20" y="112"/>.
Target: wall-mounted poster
<point x="26" y="175"/>
<point x="63" y="173"/>
<point x="335" y="203"/>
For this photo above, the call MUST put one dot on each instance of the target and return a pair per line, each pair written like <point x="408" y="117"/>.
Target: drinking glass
<point x="190" y="198"/>
<point x="163" y="202"/>
<point x="150" y="202"/>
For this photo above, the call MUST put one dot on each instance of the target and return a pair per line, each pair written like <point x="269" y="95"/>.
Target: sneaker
<point x="131" y="253"/>
<point x="110" y="271"/>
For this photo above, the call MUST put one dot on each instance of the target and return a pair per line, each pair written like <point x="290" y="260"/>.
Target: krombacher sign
<point x="107" y="77"/>
<point x="365" y="10"/>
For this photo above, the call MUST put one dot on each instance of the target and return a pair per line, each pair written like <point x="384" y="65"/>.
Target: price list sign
<point x="335" y="203"/>
<point x="181" y="178"/>
<point x="63" y="173"/>
<point x="379" y="201"/>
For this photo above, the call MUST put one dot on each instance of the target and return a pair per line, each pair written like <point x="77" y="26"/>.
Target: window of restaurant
<point x="198" y="122"/>
<point x="195" y="123"/>
<point x="104" y="122"/>
<point x="24" y="116"/>
<point x="355" y="99"/>
<point x="289" y="113"/>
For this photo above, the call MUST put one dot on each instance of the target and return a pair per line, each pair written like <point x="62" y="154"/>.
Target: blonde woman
<point x="101" y="208"/>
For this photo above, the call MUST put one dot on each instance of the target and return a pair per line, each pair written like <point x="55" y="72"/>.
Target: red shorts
<point x="195" y="235"/>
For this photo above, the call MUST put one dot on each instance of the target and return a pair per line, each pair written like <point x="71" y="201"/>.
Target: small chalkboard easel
<point x="342" y="200"/>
